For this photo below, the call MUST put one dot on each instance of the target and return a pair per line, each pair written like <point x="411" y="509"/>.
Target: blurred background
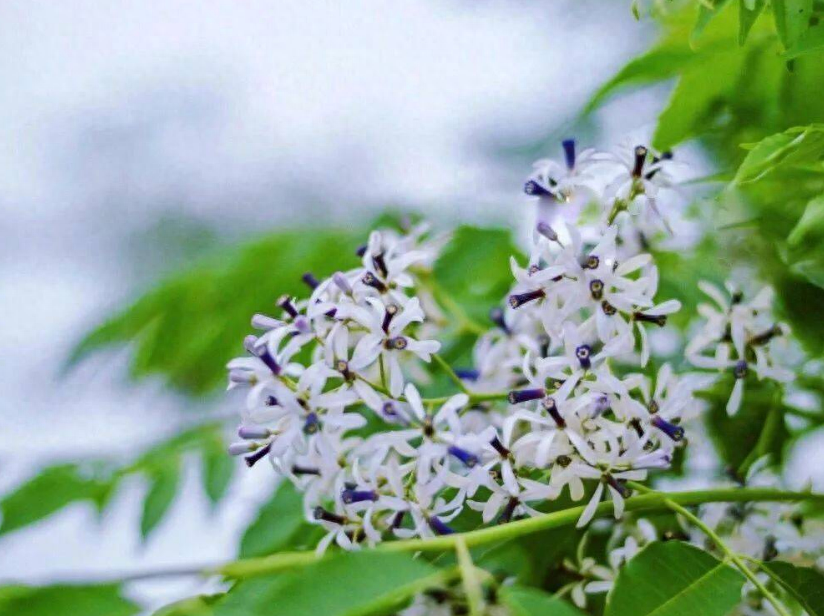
<point x="138" y="137"/>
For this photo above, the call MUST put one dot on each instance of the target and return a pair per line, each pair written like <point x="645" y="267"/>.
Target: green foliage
<point x="792" y="19"/>
<point x="51" y="490"/>
<point x="353" y="584"/>
<point x="757" y="429"/>
<point x="748" y="12"/>
<point x="162" y="489"/>
<point x="195" y="606"/>
<point x="523" y="601"/>
<point x="805" y="584"/>
<point x="674" y="579"/>
<point x="474" y="269"/>
<point x="188" y="327"/>
<point x="57" y="487"/>
<point x="279" y="525"/>
<point x="65" y="600"/>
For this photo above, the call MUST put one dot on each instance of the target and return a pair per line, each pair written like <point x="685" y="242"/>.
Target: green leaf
<point x="189" y="326"/>
<point x="805" y="584"/>
<point x="792" y="18"/>
<point x="195" y="606"/>
<point x="674" y="579"/>
<point x="706" y="13"/>
<point x="343" y="585"/>
<point x="810" y="228"/>
<point x="162" y="490"/>
<point x="747" y="17"/>
<point x="218" y="470"/>
<point x="737" y="436"/>
<point x="695" y="99"/>
<point x="794" y="147"/>
<point x="474" y="268"/>
<point x="662" y="62"/>
<point x="812" y="41"/>
<point x="280" y="524"/>
<point x="65" y="600"/>
<point x="525" y="601"/>
<point x="48" y="492"/>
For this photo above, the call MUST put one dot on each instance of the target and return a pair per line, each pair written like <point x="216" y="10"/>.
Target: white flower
<point x="386" y="338"/>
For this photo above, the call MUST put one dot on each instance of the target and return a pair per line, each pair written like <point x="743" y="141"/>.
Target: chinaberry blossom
<point x="553" y="401"/>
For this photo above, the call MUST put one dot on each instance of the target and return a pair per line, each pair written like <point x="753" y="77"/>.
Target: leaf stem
<point x="731" y="555"/>
<point x="503" y="532"/>
<point x="471" y="584"/>
<point x="450" y="373"/>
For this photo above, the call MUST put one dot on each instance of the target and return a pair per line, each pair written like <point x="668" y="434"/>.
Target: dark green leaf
<point x="474" y="269"/>
<point x="674" y="579"/>
<point x="162" y="490"/>
<point x="805" y="584"/>
<point x="747" y="17"/>
<point x="65" y="600"/>
<point x="280" y="524"/>
<point x="525" y="601"/>
<point x="193" y="323"/>
<point x="343" y="585"/>
<point x="49" y="491"/>
<point x="792" y="18"/>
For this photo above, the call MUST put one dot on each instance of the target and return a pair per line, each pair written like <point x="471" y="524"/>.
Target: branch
<point x="567" y="517"/>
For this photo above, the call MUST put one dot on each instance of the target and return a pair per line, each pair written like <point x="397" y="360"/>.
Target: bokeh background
<point x="137" y="137"/>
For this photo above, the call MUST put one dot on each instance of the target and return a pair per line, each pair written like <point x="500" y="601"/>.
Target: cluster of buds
<point x="556" y="401"/>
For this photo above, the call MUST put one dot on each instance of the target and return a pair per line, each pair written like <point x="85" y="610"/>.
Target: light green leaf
<point x="162" y="490"/>
<point x="694" y="99"/>
<point x="189" y="326"/>
<point x="812" y="41"/>
<point x="707" y="11"/>
<point x="792" y="18"/>
<point x="280" y="524"/>
<point x="796" y="146"/>
<point x="65" y="600"/>
<point x="195" y="606"/>
<point x="48" y="492"/>
<point x="805" y="584"/>
<point x="351" y="584"/>
<point x="810" y="228"/>
<point x="747" y="17"/>
<point x="524" y="601"/>
<point x="674" y="579"/>
<point x="663" y="62"/>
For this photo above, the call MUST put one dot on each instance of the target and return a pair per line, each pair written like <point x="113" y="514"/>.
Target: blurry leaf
<point x="530" y="558"/>
<point x="671" y="578"/>
<point x="188" y="327"/>
<point x="280" y="524"/>
<point x="695" y="99"/>
<point x="162" y="490"/>
<point x="747" y="17"/>
<point x="805" y="584"/>
<point x="65" y="600"/>
<point x="660" y="63"/>
<point x="795" y="146"/>
<point x="474" y="268"/>
<point x="348" y="584"/>
<point x="812" y="41"/>
<point x="706" y="12"/>
<point x="49" y="491"/>
<point x="811" y="226"/>
<point x="195" y="606"/>
<point x="524" y="601"/>
<point x="218" y="470"/>
<point x="737" y="436"/>
<point x="792" y="18"/>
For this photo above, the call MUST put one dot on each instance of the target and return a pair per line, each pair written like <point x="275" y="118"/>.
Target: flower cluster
<point x="738" y="335"/>
<point x="556" y="402"/>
